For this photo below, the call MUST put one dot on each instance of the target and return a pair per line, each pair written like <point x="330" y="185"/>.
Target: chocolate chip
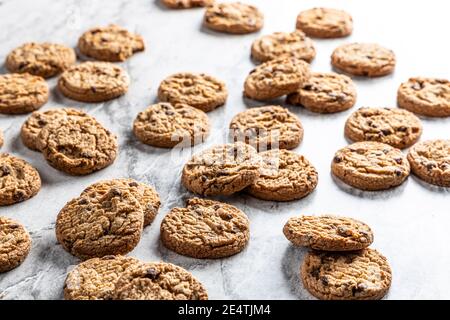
<point x="386" y="132"/>
<point x="431" y="166"/>
<point x="307" y="87"/>
<point x="19" y="196"/>
<point x="151" y="273"/>
<point x="402" y="129"/>
<point x="115" y="192"/>
<point x="82" y="201"/>
<point x="13" y="226"/>
<point x="398" y="160"/>
<point x="204" y="178"/>
<point x="398" y="173"/>
<point x="133" y="184"/>
<point x="4" y="170"/>
<point x="324" y="280"/>
<point x="337" y="159"/>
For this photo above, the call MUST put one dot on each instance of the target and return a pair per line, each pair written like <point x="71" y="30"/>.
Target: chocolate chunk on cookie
<point x="325" y="23"/>
<point x="186" y="4"/>
<point x="15" y="244"/>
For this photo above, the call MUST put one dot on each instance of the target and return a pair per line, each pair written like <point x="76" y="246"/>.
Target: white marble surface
<point x="411" y="222"/>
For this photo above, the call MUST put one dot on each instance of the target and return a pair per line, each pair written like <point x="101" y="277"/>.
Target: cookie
<point x="165" y="125"/>
<point x="39" y="119"/>
<point x="430" y="161"/>
<point x="425" y="96"/>
<point x="325" y="23"/>
<point x="77" y="145"/>
<point x="93" y="82"/>
<point x="221" y="169"/>
<point x="159" y="281"/>
<point x="2" y="140"/>
<point x="198" y="90"/>
<point x="268" y="127"/>
<point x="364" y="59"/>
<point x="186" y="4"/>
<point x="205" y="229"/>
<point x="325" y="93"/>
<point x="370" y="166"/>
<point x="40" y="59"/>
<point x="98" y="224"/>
<point x="111" y="43"/>
<point x="328" y="233"/>
<point x="147" y="197"/>
<point x="235" y="18"/>
<point x="360" y="275"/>
<point x="276" y="78"/>
<point x="95" y="278"/>
<point x="396" y="127"/>
<point x="15" y="244"/>
<point x="19" y="181"/>
<point x="283" y="44"/>
<point x="22" y="93"/>
<point x="284" y="176"/>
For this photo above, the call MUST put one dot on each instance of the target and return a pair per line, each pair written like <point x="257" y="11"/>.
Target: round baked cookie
<point x="2" y="139"/>
<point x="22" y="93"/>
<point x="276" y="78"/>
<point x="186" y="4"/>
<point x="111" y="43"/>
<point x="77" y="145"/>
<point x="198" y="90"/>
<point x="325" y="93"/>
<point x="283" y="44"/>
<point x="147" y="197"/>
<point x="430" y="161"/>
<point x="396" y="127"/>
<point x="19" y="181"/>
<point x="221" y="169"/>
<point x="95" y="278"/>
<point x="370" y="166"/>
<point x="93" y="82"/>
<point x="235" y="17"/>
<point x="165" y="125"/>
<point x="284" y="176"/>
<point x="364" y="59"/>
<point x="358" y="275"/>
<point x="100" y="224"/>
<point x="15" y="244"/>
<point x="425" y="96"/>
<point x="158" y="281"/>
<point x="39" y="119"/>
<point x="328" y="233"/>
<point x="40" y="59"/>
<point x="325" y="23"/>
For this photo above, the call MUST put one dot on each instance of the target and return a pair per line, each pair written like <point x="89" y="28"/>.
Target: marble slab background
<point x="411" y="222"/>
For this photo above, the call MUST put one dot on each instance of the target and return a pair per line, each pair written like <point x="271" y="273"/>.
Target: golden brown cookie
<point x="396" y="127"/>
<point x="430" y="161"/>
<point x="165" y="125"/>
<point x="111" y="43"/>
<point x="359" y="275"/>
<point x="15" y="244"/>
<point x="370" y="166"/>
<point x="40" y="59"/>
<point x="186" y="4"/>
<point x="22" y="93"/>
<point x="364" y="59"/>
<point x="328" y="233"/>
<point x="325" y="93"/>
<point x="95" y="278"/>
<point x="276" y="78"/>
<point x="283" y="44"/>
<point x="325" y="23"/>
<point x="198" y="90"/>
<point x="19" y="181"/>
<point x="425" y="96"/>
<point x="2" y="139"/>
<point x="235" y="17"/>
<point x="158" y="281"/>
<point x="94" y="82"/>
<point x="284" y="176"/>
<point x="221" y="169"/>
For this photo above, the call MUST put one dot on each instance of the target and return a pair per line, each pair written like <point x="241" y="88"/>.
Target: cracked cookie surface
<point x="186" y="4"/>
<point x="15" y="244"/>
<point x="325" y="23"/>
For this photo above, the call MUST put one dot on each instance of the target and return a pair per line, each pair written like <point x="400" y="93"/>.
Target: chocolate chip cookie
<point x="186" y="4"/>
<point x="359" y="275"/>
<point x="325" y="23"/>
<point x="111" y="43"/>
<point x="165" y="125"/>
<point x="19" y="181"/>
<point x="2" y="139"/>
<point x="40" y="59"/>
<point x="93" y="82"/>
<point x="370" y="166"/>
<point x="328" y="233"/>
<point x="425" y="96"/>
<point x="430" y="161"/>
<point x="198" y="90"/>
<point x="221" y="170"/>
<point x="325" y="93"/>
<point x="276" y="78"/>
<point x="15" y="244"/>
<point x="22" y="93"/>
